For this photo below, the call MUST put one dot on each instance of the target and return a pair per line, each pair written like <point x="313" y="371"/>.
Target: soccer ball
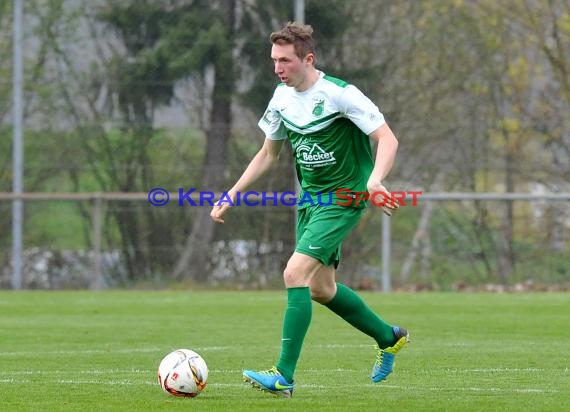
<point x="183" y="373"/>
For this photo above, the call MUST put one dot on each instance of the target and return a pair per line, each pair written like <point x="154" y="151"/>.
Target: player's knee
<point x="321" y="294"/>
<point x="292" y="277"/>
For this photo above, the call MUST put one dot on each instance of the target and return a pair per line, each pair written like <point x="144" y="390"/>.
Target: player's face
<point x="291" y="69"/>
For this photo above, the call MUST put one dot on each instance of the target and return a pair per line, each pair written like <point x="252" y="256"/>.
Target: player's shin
<point x="295" y="325"/>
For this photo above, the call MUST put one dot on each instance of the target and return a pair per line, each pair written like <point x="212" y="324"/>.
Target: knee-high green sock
<point x="349" y="306"/>
<point x="295" y="325"/>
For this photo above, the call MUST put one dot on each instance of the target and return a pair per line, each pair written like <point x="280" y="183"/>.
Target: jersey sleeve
<point x="271" y="123"/>
<point x="360" y="110"/>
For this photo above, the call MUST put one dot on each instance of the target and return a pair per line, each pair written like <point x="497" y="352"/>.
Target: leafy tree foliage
<point x="477" y="92"/>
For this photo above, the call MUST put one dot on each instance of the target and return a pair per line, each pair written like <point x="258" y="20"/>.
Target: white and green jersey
<point x="328" y="126"/>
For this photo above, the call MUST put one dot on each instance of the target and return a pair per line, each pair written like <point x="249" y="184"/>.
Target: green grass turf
<point x="99" y="351"/>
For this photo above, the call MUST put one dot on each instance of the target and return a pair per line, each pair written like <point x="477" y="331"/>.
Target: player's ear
<point x="310" y="58"/>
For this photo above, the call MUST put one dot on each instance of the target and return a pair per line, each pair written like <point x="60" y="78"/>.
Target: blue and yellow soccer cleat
<point x="384" y="363"/>
<point x="270" y="381"/>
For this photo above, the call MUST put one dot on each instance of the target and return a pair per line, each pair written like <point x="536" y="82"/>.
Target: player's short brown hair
<point x="299" y="35"/>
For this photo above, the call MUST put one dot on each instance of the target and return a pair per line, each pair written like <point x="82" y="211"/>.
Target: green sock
<point x="349" y="306"/>
<point x="295" y="325"/>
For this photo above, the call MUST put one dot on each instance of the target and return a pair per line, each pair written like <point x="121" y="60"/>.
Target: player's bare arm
<point x="259" y="165"/>
<point x="385" y="156"/>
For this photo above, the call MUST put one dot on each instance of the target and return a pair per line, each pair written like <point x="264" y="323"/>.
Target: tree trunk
<point x="420" y="240"/>
<point x="506" y="259"/>
<point x="557" y="235"/>
<point x="194" y="260"/>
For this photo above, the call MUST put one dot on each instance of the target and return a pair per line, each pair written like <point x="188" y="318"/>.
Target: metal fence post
<point x="96" y="276"/>
<point x="386" y="277"/>
<point x="17" y="149"/>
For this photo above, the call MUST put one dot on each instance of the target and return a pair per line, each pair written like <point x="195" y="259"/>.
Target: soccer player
<point x="329" y="123"/>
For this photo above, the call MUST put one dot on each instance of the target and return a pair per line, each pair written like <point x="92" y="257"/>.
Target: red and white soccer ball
<point x="183" y="373"/>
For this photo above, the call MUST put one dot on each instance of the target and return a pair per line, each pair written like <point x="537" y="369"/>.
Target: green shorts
<point x="321" y="230"/>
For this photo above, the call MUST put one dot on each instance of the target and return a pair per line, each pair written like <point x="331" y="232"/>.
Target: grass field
<point x="84" y="351"/>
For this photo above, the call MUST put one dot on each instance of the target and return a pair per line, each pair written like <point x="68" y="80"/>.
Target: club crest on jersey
<point x="319" y="107"/>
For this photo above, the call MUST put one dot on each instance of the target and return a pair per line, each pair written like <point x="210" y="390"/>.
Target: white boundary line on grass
<point x="468" y="389"/>
<point x="156" y="349"/>
<point x="239" y="371"/>
<point x="498" y="370"/>
<point x="127" y="382"/>
<point x="80" y="352"/>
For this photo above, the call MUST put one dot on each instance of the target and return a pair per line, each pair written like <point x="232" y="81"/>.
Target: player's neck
<point x="311" y="78"/>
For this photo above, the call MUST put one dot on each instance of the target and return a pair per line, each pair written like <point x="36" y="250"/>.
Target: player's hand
<point x="389" y="203"/>
<point x="220" y="209"/>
